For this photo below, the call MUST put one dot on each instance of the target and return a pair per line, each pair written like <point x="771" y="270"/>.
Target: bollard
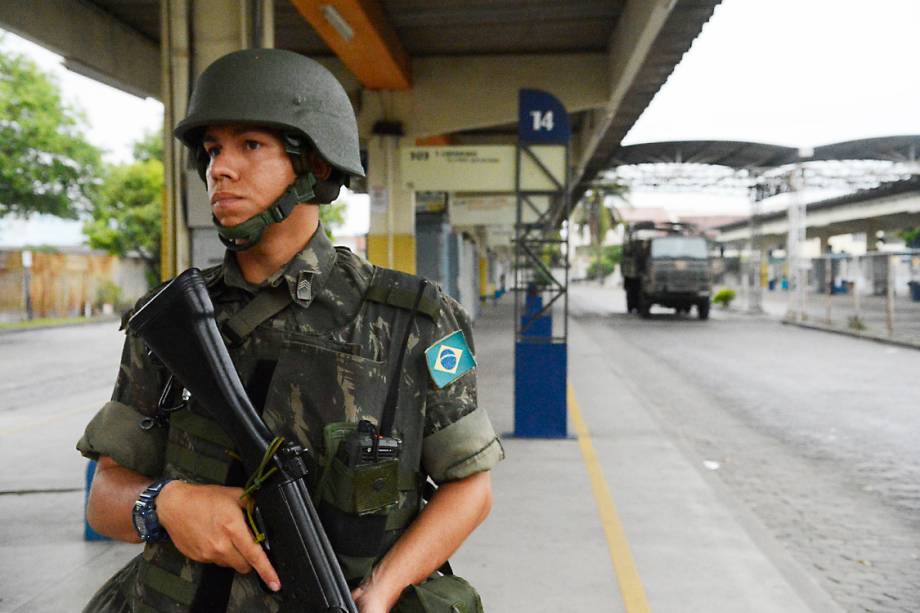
<point x="88" y="533"/>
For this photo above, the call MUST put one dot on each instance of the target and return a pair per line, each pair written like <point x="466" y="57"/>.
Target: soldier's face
<point x="248" y="170"/>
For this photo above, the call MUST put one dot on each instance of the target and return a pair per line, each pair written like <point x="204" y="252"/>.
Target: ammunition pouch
<point x="440" y="594"/>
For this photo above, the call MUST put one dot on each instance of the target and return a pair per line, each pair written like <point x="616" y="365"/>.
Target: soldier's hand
<point x="206" y="523"/>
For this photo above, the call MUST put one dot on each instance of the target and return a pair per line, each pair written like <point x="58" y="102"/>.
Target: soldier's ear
<point x="320" y="168"/>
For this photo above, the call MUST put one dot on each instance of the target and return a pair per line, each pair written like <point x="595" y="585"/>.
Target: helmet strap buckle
<point x="247" y="234"/>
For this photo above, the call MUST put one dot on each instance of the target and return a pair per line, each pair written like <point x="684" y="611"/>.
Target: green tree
<point x="332" y="216"/>
<point x="46" y="165"/>
<point x="149" y="147"/>
<point x="911" y="237"/>
<point x="597" y="218"/>
<point x="125" y="216"/>
<point x="126" y="213"/>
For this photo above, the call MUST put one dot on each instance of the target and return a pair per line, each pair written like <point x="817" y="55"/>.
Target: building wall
<point x="432" y="251"/>
<point x="64" y="284"/>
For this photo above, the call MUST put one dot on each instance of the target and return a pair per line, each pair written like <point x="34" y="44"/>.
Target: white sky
<point x="790" y="72"/>
<point x="799" y="73"/>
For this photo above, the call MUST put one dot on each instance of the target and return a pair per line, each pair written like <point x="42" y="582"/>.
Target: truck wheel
<point x="644" y="308"/>
<point x="702" y="309"/>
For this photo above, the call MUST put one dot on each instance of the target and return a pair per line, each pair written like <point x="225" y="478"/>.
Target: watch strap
<point x="145" y="510"/>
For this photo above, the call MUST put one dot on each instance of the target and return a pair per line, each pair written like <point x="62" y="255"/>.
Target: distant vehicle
<point x="666" y="264"/>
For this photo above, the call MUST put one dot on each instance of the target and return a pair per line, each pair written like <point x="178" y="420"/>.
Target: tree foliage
<point x="332" y="216"/>
<point x="148" y="147"/>
<point x="46" y="165"/>
<point x="911" y="237"/>
<point x="125" y="215"/>
<point x="595" y="216"/>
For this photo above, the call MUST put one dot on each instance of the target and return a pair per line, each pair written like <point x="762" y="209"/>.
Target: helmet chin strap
<point x="247" y="234"/>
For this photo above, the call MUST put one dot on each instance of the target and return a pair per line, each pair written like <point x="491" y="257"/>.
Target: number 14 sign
<point x="541" y="118"/>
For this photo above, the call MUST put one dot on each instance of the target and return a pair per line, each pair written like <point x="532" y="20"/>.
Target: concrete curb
<point x="871" y="337"/>
<point x="69" y="324"/>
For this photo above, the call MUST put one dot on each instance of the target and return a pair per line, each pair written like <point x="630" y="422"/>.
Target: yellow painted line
<point x="631" y="589"/>
<point x="42" y="421"/>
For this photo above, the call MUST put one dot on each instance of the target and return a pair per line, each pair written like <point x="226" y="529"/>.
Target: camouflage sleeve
<point x="115" y="430"/>
<point x="459" y="439"/>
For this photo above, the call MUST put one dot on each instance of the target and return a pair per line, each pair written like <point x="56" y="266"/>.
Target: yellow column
<point x="194" y="34"/>
<point x="391" y="239"/>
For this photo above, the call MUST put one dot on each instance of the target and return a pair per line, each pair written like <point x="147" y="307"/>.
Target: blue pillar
<point x="540" y="382"/>
<point x="88" y="533"/>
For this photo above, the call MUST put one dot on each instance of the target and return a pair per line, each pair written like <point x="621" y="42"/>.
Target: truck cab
<point x="668" y="265"/>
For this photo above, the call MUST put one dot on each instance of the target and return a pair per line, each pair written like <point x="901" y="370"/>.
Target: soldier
<point x="315" y="333"/>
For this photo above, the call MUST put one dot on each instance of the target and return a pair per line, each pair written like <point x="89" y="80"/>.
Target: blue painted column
<point x="540" y="381"/>
<point x="540" y="358"/>
<point x="88" y="533"/>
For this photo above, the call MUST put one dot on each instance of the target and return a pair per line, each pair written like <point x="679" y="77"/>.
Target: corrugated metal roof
<point x="741" y="154"/>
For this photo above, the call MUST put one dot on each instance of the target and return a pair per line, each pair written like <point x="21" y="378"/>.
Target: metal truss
<point x="541" y="255"/>
<point x="850" y="175"/>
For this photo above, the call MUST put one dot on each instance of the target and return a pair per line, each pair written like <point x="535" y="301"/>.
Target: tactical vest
<point x="312" y="380"/>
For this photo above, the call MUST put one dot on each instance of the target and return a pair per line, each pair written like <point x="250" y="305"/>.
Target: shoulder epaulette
<point x="399" y="289"/>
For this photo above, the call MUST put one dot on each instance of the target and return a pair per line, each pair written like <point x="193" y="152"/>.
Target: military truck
<point x="666" y="264"/>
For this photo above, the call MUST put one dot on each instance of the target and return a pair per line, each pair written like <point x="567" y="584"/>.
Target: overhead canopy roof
<point x="622" y="51"/>
<point x="740" y="154"/>
<point x="890" y="207"/>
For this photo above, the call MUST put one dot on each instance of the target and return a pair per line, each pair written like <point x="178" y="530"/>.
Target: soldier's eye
<point x="253" y="145"/>
<point x="212" y="151"/>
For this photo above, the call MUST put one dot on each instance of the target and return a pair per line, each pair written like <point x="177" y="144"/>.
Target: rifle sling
<point x="392" y="399"/>
<point x="263" y="307"/>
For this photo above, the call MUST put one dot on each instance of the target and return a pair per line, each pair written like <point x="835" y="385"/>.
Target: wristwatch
<point x="144" y="514"/>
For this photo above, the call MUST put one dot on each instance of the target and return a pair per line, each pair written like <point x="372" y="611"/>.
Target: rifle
<point x="179" y="327"/>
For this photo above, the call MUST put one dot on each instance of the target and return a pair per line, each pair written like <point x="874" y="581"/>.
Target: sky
<point x="798" y="73"/>
<point x="790" y="72"/>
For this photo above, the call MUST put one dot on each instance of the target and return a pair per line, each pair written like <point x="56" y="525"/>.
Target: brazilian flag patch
<point x="449" y="359"/>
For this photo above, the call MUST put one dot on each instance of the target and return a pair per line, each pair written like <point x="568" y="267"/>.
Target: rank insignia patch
<point x="449" y="359"/>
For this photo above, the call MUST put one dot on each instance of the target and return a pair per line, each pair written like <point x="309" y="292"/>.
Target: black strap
<point x="397" y="289"/>
<point x="392" y="399"/>
<point x="263" y="307"/>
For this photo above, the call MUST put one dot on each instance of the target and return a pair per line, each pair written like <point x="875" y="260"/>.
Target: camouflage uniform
<point x="325" y="358"/>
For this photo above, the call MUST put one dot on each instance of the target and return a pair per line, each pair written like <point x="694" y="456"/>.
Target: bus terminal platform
<point x="618" y="516"/>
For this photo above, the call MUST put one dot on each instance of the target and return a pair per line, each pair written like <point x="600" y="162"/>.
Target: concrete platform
<point x="543" y="549"/>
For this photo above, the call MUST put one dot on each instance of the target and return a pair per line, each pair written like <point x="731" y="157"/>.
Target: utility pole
<point x="796" y="237"/>
<point x="754" y="294"/>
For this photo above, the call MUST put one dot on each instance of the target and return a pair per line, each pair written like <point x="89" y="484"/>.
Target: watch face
<point x="139" y="523"/>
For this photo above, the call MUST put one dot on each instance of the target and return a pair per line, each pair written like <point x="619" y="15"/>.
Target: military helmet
<point x="292" y="94"/>
<point x="276" y="89"/>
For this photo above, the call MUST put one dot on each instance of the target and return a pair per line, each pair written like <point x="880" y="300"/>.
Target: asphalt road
<point x="52" y="381"/>
<point x="815" y="433"/>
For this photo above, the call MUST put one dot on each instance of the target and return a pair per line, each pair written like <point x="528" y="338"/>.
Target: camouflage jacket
<point x="324" y="358"/>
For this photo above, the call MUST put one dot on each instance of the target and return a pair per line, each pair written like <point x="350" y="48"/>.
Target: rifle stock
<point x="179" y="327"/>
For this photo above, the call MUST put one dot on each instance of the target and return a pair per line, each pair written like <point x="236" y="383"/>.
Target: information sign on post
<point x="484" y="169"/>
<point x="541" y="356"/>
<point x="542" y="119"/>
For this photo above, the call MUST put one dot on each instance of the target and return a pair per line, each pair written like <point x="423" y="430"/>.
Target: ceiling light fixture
<point x="338" y="22"/>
